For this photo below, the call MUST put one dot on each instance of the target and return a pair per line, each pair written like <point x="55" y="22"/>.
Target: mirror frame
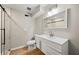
<point x="66" y="12"/>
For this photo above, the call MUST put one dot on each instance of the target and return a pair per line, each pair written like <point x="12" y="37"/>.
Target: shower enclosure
<point x="4" y="31"/>
<point x="10" y="33"/>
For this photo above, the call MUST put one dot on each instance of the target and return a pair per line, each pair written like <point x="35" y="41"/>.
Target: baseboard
<point x="8" y="52"/>
<point x="18" y="47"/>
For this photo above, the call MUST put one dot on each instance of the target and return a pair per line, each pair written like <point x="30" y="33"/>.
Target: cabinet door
<point x="38" y="42"/>
<point x="43" y="48"/>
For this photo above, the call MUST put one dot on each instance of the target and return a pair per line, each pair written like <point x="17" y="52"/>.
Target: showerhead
<point x="26" y="15"/>
<point x="28" y="8"/>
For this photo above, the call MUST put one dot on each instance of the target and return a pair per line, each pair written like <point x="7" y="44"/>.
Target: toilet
<point x="31" y="44"/>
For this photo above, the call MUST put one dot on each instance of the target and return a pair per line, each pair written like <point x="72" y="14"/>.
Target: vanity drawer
<point x="47" y="50"/>
<point x="54" y="48"/>
<point x="52" y="52"/>
<point x="53" y="45"/>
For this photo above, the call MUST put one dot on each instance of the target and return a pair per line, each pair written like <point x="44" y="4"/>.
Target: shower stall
<point x="4" y="31"/>
<point x="10" y="32"/>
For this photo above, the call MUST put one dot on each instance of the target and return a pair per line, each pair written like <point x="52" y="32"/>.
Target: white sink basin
<point x="59" y="40"/>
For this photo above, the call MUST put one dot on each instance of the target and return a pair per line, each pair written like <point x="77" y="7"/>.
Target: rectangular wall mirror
<point x="57" y="20"/>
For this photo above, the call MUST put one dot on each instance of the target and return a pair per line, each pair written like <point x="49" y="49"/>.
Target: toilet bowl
<point x="31" y="44"/>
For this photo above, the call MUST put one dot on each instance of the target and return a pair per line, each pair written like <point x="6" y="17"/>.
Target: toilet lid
<point x="30" y="42"/>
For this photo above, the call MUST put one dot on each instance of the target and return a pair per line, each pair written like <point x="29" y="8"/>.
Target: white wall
<point x="18" y="36"/>
<point x="38" y="25"/>
<point x="72" y="32"/>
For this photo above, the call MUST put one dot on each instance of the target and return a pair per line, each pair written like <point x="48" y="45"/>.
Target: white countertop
<point x="56" y="39"/>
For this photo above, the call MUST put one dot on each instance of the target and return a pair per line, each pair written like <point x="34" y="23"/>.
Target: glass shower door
<point x="4" y="32"/>
<point x="2" y="18"/>
<point x="2" y="43"/>
<point x="0" y="31"/>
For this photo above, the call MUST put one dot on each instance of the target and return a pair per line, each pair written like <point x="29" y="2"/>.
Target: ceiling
<point x="34" y="7"/>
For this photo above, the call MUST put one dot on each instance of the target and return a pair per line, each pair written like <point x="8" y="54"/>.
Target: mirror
<point x="57" y="20"/>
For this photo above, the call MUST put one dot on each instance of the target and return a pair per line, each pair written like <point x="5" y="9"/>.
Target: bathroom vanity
<point x="52" y="45"/>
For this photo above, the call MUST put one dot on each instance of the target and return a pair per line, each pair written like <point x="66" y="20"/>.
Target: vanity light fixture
<point x="52" y="12"/>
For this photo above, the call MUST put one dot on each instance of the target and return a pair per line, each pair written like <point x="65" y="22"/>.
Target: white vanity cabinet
<point x="52" y="46"/>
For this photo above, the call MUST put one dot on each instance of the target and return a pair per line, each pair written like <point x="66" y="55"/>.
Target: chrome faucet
<point x="51" y="34"/>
